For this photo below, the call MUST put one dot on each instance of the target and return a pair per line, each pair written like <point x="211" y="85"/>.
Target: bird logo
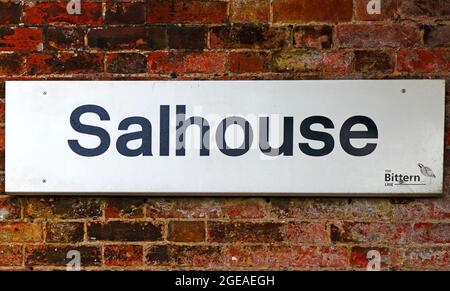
<point x="426" y="171"/>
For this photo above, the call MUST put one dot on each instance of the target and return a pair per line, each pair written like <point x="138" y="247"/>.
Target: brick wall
<point x="235" y="39"/>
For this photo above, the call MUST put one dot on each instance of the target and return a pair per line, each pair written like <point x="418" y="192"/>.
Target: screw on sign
<point x="74" y="7"/>
<point x="374" y="7"/>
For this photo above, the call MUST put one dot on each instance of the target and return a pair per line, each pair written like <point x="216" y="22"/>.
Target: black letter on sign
<point x="286" y="147"/>
<point x="326" y="138"/>
<point x="220" y="136"/>
<point x="105" y="140"/>
<point x="347" y="134"/>
<point x="145" y="135"/>
<point x="183" y="124"/>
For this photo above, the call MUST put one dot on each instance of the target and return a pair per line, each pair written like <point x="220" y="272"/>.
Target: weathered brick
<point x="374" y="61"/>
<point x="248" y="208"/>
<point x="126" y="63"/>
<point x="59" y="38"/>
<point x="64" y="232"/>
<point x="423" y="209"/>
<point x="358" y="257"/>
<point x="307" y="232"/>
<point x="12" y="232"/>
<point x="11" y="64"/>
<point x="250" y="11"/>
<point x="424" y="9"/>
<point x="427" y="257"/>
<point x="49" y="255"/>
<point x="2" y="109"/>
<point x="10" y="12"/>
<point x="431" y="233"/>
<point x="370" y="232"/>
<point x="186" y="11"/>
<point x="11" y="255"/>
<point x="183" y="208"/>
<point x="187" y="37"/>
<point x="249" y="62"/>
<point x="151" y="37"/>
<point x="51" y="12"/>
<point x="377" y="35"/>
<point x="336" y="62"/>
<point x="21" y="39"/>
<point x="123" y="255"/>
<point x="177" y="255"/>
<point x="286" y="256"/>
<point x="282" y="208"/>
<point x="248" y="36"/>
<point x="125" y="13"/>
<point x="125" y="231"/>
<point x="124" y="207"/>
<point x="389" y="10"/>
<point x="245" y="232"/>
<point x="423" y="61"/>
<point x="186" y="231"/>
<point x="64" y="63"/>
<point x="320" y="37"/>
<point x="180" y="62"/>
<point x="61" y="208"/>
<point x="377" y="209"/>
<point x="308" y="11"/>
<point x="10" y="208"/>
<point x="437" y="35"/>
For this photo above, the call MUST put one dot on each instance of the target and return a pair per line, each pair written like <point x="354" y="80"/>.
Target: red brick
<point x="248" y="36"/>
<point x="186" y="11"/>
<point x="59" y="38"/>
<point x="11" y="255"/>
<point x="245" y="232"/>
<point x="124" y="207"/>
<point x="188" y="37"/>
<point x="249" y="208"/>
<point x="249" y="62"/>
<point x="374" y="61"/>
<point x="125" y="13"/>
<point x="19" y="232"/>
<point x="150" y="37"/>
<point x="64" y="63"/>
<point x="424" y="9"/>
<point x="64" y="232"/>
<point x="437" y="35"/>
<point x="336" y="62"/>
<point x="424" y="209"/>
<point x="431" y="233"/>
<point x="307" y="232"/>
<point x="423" y="61"/>
<point x="2" y="110"/>
<point x="61" y="208"/>
<point x="283" y="208"/>
<point x="11" y="64"/>
<point x="56" y="13"/>
<point x="10" y="12"/>
<point x="21" y="39"/>
<point x="250" y="11"/>
<point x="180" y="62"/>
<point x="125" y="231"/>
<point x="186" y="231"/>
<point x="427" y="257"/>
<point x="370" y="232"/>
<point x="184" y="256"/>
<point x="183" y="207"/>
<point x="320" y="37"/>
<point x="377" y="35"/>
<point x="389" y="10"/>
<point x="308" y="11"/>
<point x="123" y="255"/>
<point x="48" y="255"/>
<point x="2" y="138"/>
<point x="286" y="256"/>
<point x="10" y="208"/>
<point x="126" y="63"/>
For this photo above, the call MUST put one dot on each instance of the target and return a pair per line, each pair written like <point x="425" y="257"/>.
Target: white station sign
<point x="300" y="138"/>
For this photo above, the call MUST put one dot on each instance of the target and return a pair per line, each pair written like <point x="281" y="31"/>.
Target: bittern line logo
<point x="392" y="178"/>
